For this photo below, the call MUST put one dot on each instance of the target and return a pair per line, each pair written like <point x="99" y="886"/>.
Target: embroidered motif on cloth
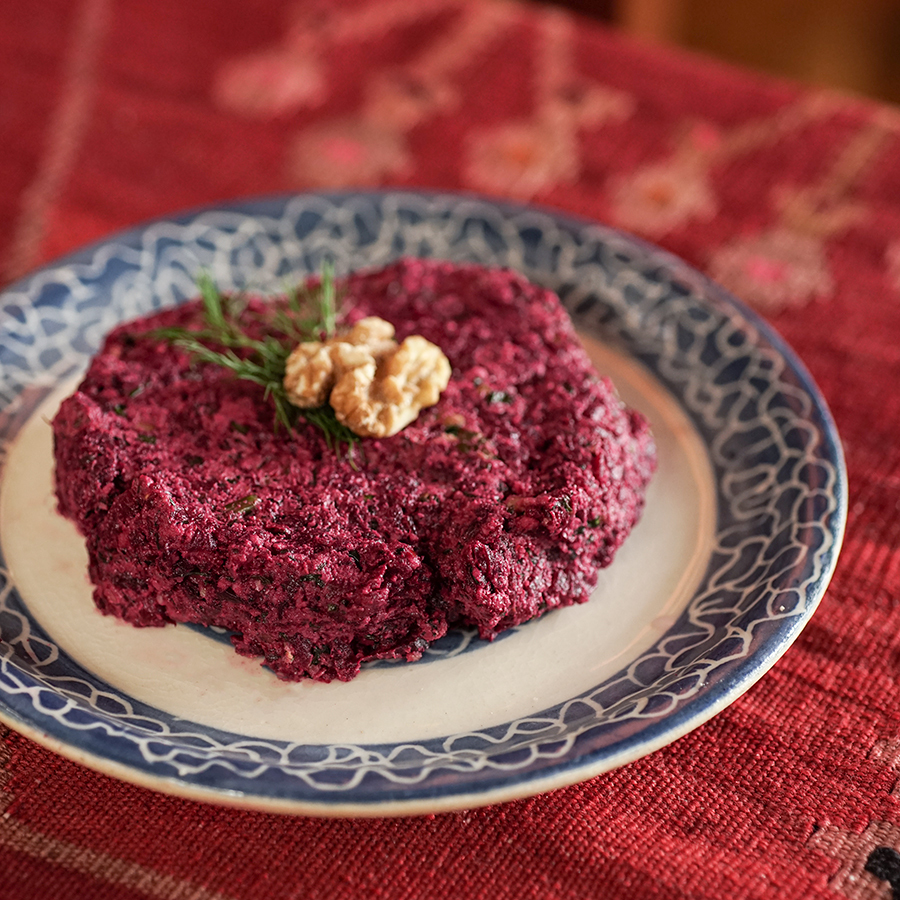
<point x="868" y="860"/>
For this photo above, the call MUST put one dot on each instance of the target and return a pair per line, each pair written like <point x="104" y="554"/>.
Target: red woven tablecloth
<point x="114" y="112"/>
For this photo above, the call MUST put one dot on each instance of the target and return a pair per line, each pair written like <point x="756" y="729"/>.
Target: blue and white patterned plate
<point x="739" y="538"/>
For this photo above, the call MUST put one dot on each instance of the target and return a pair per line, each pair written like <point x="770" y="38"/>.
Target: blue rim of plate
<point x="774" y="451"/>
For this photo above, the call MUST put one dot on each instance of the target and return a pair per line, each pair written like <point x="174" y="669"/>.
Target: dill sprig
<point x="307" y="314"/>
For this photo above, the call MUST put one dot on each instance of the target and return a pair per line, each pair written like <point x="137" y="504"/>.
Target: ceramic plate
<point x="738" y="541"/>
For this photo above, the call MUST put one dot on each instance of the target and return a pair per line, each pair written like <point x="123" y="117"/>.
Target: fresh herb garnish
<point x="243" y="504"/>
<point x="306" y="314"/>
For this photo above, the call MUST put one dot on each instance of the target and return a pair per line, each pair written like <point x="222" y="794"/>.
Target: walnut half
<point x="375" y="386"/>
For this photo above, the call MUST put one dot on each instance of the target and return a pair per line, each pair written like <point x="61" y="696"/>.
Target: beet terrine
<point x="496" y="504"/>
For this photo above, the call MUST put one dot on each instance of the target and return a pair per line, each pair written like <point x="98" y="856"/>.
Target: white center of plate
<point x="567" y="652"/>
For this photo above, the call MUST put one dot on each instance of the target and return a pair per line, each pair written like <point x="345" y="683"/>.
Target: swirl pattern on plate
<point x="777" y="465"/>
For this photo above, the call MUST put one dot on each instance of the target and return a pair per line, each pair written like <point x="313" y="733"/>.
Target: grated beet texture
<point x="500" y="502"/>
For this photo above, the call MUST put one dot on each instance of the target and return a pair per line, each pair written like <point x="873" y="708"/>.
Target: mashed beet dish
<point x="500" y="502"/>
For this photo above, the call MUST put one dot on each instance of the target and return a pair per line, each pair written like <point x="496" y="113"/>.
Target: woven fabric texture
<point x="113" y="112"/>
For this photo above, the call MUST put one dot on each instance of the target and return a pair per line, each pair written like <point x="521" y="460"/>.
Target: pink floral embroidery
<point x="291" y="74"/>
<point x="766" y="270"/>
<point x="520" y="159"/>
<point x="526" y="157"/>
<point x="402" y="100"/>
<point x="367" y="145"/>
<point x="349" y="152"/>
<point x="269" y="84"/>
<point x="853" y="851"/>
<point x="778" y="269"/>
<point x="663" y="197"/>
